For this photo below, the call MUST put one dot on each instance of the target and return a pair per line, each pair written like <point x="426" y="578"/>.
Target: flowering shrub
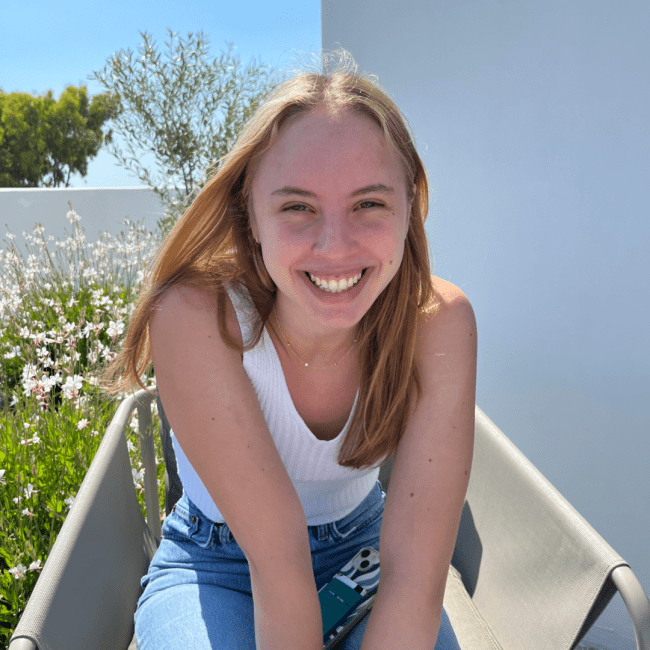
<point x="62" y="316"/>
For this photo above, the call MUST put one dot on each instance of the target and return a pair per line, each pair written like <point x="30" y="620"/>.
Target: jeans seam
<point x="358" y="527"/>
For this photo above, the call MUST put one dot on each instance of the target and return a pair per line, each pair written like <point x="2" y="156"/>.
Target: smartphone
<point x="349" y="595"/>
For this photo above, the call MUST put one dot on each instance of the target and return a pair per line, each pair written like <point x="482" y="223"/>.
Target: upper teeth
<point x="335" y="286"/>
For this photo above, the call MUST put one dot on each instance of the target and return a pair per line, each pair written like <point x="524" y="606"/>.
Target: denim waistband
<point x="366" y="511"/>
<point x="208" y="532"/>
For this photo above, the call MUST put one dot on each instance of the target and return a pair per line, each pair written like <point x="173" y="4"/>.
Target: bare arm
<point x="428" y="483"/>
<point x="214" y="412"/>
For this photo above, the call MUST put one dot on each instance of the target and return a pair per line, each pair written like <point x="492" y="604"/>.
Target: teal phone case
<point x="348" y="597"/>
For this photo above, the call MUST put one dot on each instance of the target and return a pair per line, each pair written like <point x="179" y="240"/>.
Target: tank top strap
<point x="244" y="308"/>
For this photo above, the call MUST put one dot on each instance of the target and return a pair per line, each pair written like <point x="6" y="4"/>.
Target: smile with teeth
<point x="335" y="286"/>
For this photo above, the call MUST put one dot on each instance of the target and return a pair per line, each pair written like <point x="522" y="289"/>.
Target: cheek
<point x="396" y="259"/>
<point x="279" y="254"/>
<point x="390" y="247"/>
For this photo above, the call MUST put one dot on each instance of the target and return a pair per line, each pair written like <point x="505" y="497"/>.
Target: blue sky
<point x="50" y="45"/>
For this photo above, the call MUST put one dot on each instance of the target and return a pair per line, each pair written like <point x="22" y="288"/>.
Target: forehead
<point x="345" y="150"/>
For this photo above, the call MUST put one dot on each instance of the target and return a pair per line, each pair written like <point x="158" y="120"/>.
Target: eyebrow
<point x="290" y="190"/>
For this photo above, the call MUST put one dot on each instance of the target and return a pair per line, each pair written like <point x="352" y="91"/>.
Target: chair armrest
<point x="637" y="604"/>
<point x="535" y="569"/>
<point x="88" y="589"/>
<point x="148" y="454"/>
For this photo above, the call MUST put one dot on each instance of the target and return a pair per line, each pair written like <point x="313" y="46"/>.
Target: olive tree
<point x="181" y="111"/>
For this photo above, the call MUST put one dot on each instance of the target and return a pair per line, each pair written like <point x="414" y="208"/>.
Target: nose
<point x="336" y="237"/>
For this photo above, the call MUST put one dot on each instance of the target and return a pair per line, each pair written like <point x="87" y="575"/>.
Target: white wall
<point x="100" y="209"/>
<point x="533" y="119"/>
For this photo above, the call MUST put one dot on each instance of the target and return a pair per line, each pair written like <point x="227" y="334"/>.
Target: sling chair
<point x="528" y="572"/>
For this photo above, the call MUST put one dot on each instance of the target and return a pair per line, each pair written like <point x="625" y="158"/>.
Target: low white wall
<point x="100" y="209"/>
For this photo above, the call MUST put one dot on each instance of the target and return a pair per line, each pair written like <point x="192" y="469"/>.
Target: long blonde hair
<point x="212" y="245"/>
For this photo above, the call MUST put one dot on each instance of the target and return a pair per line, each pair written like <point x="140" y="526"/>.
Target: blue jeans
<point x="197" y="592"/>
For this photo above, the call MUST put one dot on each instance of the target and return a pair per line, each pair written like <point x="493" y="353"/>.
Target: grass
<point x="63" y="312"/>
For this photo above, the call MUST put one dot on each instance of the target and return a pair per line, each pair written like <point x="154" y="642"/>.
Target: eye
<point x="369" y="204"/>
<point x="298" y="207"/>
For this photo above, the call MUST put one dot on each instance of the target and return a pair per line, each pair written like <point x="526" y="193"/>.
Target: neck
<point x="325" y="350"/>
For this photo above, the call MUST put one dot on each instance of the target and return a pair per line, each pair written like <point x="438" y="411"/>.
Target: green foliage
<point x="181" y="109"/>
<point x="62" y="319"/>
<point x="44" y="141"/>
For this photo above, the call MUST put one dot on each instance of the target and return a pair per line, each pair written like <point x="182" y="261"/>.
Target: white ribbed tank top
<point x="327" y="491"/>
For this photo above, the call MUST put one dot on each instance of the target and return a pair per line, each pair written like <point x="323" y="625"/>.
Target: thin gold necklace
<point x="304" y="363"/>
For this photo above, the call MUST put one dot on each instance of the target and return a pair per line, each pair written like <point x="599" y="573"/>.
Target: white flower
<point x="36" y="565"/>
<point x="29" y="371"/>
<point x="69" y="501"/>
<point x="104" y="350"/>
<point x="90" y="274"/>
<point x="17" y="500"/>
<point x="137" y="476"/>
<point x="11" y="236"/>
<point x="27" y="512"/>
<point x="72" y="386"/>
<point x="29" y="490"/>
<point x="73" y="217"/>
<point x="24" y="332"/>
<point x="18" y="571"/>
<point x="2" y="476"/>
<point x="82" y="424"/>
<point x="29" y="385"/>
<point x="15" y="351"/>
<point x="129" y="444"/>
<point x="42" y="352"/>
<point x="115" y="328"/>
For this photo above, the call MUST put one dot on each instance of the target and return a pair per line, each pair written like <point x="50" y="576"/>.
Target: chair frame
<point x="52" y="619"/>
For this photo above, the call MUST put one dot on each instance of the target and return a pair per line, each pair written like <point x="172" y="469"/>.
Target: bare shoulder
<point x="449" y="294"/>
<point x="453" y="319"/>
<point x="194" y="305"/>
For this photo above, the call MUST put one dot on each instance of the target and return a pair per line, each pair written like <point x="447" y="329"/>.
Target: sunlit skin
<point x="329" y="197"/>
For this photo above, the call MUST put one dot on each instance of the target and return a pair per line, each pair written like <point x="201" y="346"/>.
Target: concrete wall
<point x="102" y="209"/>
<point x="533" y="119"/>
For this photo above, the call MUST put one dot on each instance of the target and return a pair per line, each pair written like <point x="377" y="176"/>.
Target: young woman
<point x="298" y="341"/>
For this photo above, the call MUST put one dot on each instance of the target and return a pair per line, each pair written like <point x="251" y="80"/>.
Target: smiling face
<point x="330" y="208"/>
